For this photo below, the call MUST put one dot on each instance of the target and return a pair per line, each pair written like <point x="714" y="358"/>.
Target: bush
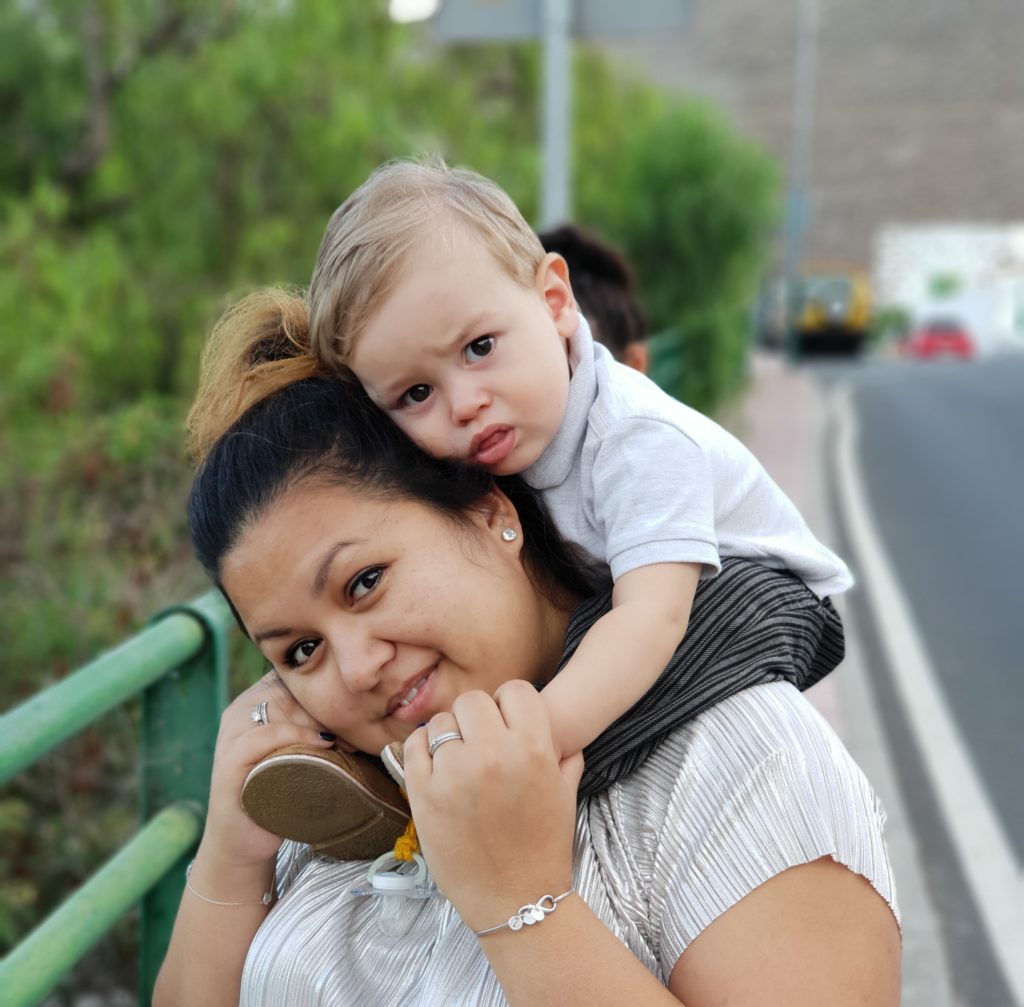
<point x="701" y="203"/>
<point x="232" y="132"/>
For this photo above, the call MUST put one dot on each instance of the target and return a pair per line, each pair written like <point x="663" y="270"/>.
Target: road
<point x="928" y="489"/>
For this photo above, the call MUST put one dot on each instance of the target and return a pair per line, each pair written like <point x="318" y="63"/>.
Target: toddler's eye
<point x="415" y="395"/>
<point x="301" y="653"/>
<point x="479" y="348"/>
<point x="364" y="583"/>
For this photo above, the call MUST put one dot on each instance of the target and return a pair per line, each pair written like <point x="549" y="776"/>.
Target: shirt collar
<point x="559" y="457"/>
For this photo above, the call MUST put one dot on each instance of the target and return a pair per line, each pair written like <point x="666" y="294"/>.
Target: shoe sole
<point x="394" y="763"/>
<point x="311" y="800"/>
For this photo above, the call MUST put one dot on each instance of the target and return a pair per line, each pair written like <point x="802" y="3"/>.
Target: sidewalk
<point x="782" y="419"/>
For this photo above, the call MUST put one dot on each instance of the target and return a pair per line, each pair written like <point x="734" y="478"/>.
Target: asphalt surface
<point x="939" y="459"/>
<point x="942" y="456"/>
<point x="932" y="454"/>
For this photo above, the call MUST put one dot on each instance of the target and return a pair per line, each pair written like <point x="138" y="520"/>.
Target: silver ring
<point x="258" y="714"/>
<point x="443" y="739"/>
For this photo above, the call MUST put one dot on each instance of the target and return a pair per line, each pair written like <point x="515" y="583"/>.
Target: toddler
<point x="432" y="288"/>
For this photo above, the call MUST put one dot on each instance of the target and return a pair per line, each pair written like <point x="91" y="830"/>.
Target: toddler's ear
<point x="553" y="285"/>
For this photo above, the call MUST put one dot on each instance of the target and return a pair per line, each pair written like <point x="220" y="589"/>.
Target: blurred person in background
<point x="602" y="283"/>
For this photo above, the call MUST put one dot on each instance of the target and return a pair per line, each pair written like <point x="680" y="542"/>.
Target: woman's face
<point x="378" y="614"/>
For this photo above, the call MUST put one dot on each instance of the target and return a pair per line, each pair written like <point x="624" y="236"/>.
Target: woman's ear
<point x="499" y="516"/>
<point x="553" y="285"/>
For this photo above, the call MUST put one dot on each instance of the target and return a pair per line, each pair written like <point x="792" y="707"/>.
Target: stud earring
<point x="510" y="534"/>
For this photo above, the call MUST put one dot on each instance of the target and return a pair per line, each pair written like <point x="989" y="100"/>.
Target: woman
<point x="730" y="867"/>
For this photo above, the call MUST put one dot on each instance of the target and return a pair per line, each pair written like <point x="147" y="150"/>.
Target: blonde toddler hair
<point x="399" y="207"/>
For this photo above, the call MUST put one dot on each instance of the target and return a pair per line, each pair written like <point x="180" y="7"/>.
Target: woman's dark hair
<point x="327" y="430"/>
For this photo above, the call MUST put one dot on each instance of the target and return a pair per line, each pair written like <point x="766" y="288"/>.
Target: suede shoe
<point x="343" y="805"/>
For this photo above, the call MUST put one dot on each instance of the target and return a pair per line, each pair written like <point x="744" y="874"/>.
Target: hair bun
<point x="259" y="346"/>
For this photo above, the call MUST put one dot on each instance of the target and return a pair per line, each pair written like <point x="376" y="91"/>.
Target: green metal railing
<point x="666" y="353"/>
<point x="179" y="664"/>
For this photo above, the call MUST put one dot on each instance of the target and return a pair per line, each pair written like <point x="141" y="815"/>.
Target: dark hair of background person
<point x="602" y="283"/>
<point x="326" y="431"/>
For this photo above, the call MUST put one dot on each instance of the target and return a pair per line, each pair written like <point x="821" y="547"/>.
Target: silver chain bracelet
<point x="265" y="900"/>
<point x="529" y="914"/>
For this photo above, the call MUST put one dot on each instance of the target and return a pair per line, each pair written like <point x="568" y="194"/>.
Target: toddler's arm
<point x="623" y="654"/>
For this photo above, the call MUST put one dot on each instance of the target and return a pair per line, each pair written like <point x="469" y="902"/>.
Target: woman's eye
<point x="364" y="583"/>
<point x="415" y="395"/>
<point x="301" y="653"/>
<point x="479" y="348"/>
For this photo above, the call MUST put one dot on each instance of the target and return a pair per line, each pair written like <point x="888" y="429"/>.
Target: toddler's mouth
<point x="492" y="445"/>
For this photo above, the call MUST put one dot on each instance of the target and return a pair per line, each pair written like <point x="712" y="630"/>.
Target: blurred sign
<point x="489" y="20"/>
<point x="556" y="23"/>
<point x="508" y="20"/>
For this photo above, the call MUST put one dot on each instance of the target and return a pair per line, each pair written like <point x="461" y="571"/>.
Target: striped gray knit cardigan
<point x="748" y="625"/>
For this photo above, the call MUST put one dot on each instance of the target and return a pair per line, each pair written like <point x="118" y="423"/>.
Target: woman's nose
<point x="360" y="660"/>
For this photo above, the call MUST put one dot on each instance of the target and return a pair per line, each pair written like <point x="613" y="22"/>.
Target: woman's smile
<point x="411" y="703"/>
<point x="368" y="608"/>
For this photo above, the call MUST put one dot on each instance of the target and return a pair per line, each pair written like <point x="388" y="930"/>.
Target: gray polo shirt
<point x="635" y="477"/>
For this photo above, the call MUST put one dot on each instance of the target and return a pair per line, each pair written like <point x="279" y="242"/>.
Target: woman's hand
<point x="234" y="866"/>
<point x="495" y="812"/>
<point x="231" y="837"/>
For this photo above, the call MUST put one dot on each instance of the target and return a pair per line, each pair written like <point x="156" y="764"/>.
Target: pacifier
<point x="396" y="892"/>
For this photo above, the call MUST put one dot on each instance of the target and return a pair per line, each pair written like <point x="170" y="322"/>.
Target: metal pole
<point x="41" y="723"/>
<point x="800" y="157"/>
<point x="178" y="728"/>
<point x="47" y="954"/>
<point x="557" y="124"/>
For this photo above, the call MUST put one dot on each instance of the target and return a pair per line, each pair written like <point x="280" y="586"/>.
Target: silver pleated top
<point x="756" y="785"/>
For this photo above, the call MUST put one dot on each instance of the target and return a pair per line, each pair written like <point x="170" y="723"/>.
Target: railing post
<point x="179" y="722"/>
<point x="667" y="360"/>
<point x="38" y="962"/>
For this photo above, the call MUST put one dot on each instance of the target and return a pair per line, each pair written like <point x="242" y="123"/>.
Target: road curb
<point x="978" y="841"/>
<point x="927" y="981"/>
<point x="787" y="422"/>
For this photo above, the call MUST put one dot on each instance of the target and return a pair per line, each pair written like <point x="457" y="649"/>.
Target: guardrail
<point x="666" y="360"/>
<point x="179" y="664"/>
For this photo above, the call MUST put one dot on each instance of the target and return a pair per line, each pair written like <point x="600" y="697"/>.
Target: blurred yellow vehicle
<point x="831" y="311"/>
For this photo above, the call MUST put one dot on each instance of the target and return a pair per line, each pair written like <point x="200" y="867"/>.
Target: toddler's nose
<point x="467" y="403"/>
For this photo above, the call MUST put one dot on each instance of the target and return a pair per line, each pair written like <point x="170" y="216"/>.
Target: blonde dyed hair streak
<point x="259" y="346"/>
<point x="402" y="206"/>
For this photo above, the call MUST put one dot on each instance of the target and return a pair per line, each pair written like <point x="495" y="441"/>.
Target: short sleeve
<point x="768" y="786"/>
<point x="292" y="858"/>
<point x="653" y="497"/>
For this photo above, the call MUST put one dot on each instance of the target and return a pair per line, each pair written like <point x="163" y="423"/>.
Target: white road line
<point x="985" y="854"/>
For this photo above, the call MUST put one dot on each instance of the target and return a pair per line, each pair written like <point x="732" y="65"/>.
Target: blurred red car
<point x="941" y="337"/>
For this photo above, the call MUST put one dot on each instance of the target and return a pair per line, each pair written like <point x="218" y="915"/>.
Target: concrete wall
<point x="919" y="104"/>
